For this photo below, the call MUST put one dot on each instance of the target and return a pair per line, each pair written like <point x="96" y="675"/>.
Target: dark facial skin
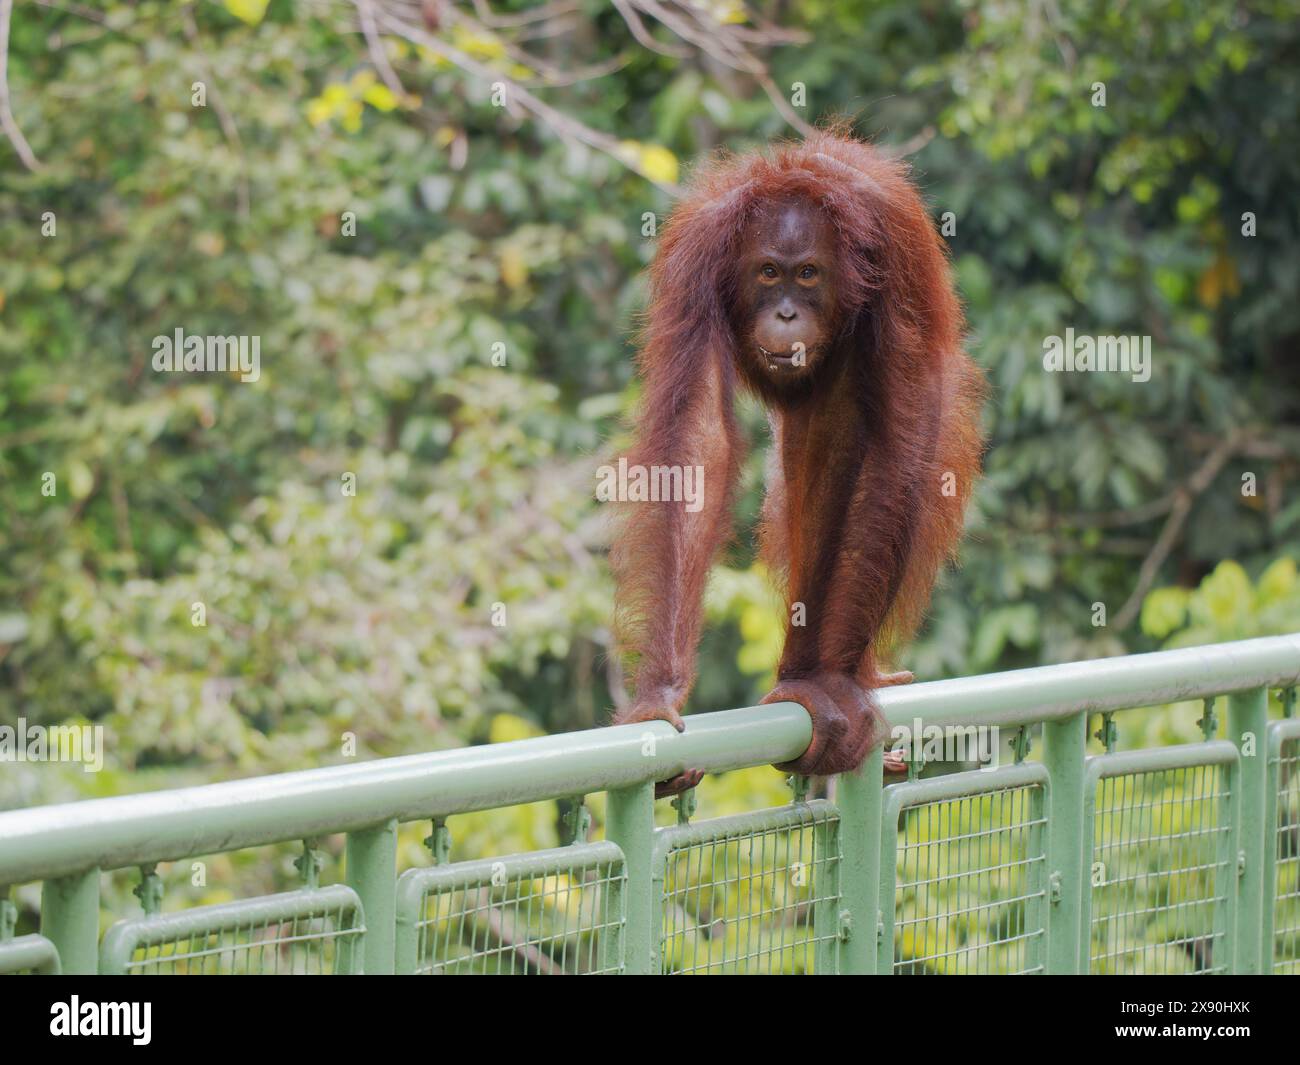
<point x="785" y="292"/>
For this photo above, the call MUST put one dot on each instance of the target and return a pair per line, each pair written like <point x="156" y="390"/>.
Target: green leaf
<point x="250" y="11"/>
<point x="1278" y="581"/>
<point x="1163" y="611"/>
<point x="1225" y="594"/>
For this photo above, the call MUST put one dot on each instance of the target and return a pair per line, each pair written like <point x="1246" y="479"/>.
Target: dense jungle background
<point x="349" y="191"/>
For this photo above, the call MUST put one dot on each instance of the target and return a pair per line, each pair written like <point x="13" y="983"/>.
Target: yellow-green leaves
<point x="1164" y="611"/>
<point x="1226" y="606"/>
<point x="1278" y="581"/>
<point x="508" y="727"/>
<point x="1223" y="594"/>
<point x="654" y="161"/>
<point x="345" y="102"/>
<point x="481" y="46"/>
<point x="336" y="102"/>
<point x="514" y="267"/>
<point x="80" y="479"/>
<point x="250" y="11"/>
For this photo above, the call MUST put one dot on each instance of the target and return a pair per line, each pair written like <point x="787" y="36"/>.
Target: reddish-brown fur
<point x="856" y="522"/>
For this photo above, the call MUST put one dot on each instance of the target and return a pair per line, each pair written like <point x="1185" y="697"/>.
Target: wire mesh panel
<point x="755" y="893"/>
<point x="552" y="912"/>
<point x="1284" y="828"/>
<point x="304" y="932"/>
<point x="28" y="955"/>
<point x="1163" y="829"/>
<point x="964" y="859"/>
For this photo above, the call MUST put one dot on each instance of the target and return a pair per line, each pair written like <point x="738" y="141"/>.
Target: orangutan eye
<point x="808" y="272"/>
<point x="769" y="271"/>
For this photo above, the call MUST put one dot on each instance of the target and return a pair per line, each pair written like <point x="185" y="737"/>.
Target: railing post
<point x="859" y="798"/>
<point x="70" y="920"/>
<point x="1064" y="746"/>
<point x="630" y="822"/>
<point x="372" y="874"/>
<point x="1248" y="729"/>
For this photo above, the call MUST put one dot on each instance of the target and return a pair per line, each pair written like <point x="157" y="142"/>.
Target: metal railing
<point x="1172" y="859"/>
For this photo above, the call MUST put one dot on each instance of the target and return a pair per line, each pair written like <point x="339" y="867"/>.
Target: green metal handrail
<point x="132" y="830"/>
<point x="1058" y="692"/>
<point x="68" y="845"/>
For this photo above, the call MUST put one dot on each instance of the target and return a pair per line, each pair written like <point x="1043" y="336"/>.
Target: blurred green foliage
<point x="341" y="625"/>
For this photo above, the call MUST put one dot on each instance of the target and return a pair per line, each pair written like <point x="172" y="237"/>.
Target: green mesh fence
<point x="306" y="932"/>
<point x="1163" y="860"/>
<point x="755" y="893"/>
<point x="28" y="955"/>
<point x="963" y="859"/>
<point x="1181" y="859"/>
<point x="552" y="912"/>
<point x="1285" y="777"/>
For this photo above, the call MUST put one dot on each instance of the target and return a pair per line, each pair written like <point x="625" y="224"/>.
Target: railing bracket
<point x="575" y="820"/>
<point x="439" y="841"/>
<point x="1209" y="720"/>
<point x="1107" y="733"/>
<point x="150" y="890"/>
<point x="1021" y="743"/>
<point x="800" y="785"/>
<point x="308" y="864"/>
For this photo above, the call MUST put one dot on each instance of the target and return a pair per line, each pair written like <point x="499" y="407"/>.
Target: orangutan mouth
<point x="793" y="360"/>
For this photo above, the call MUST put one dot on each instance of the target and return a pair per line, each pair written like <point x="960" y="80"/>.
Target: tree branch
<point x="224" y="118"/>
<point x="1183" y="498"/>
<point x="564" y="126"/>
<point x="367" y="12"/>
<point x="7" y="122"/>
<point x="643" y="36"/>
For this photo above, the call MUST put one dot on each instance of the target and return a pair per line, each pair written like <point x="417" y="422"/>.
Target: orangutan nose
<point x="787" y="314"/>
